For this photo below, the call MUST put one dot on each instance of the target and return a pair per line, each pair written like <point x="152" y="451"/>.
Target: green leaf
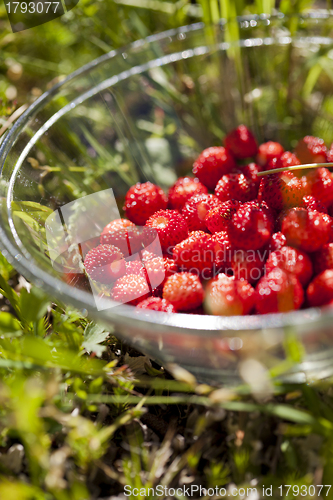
<point x="10" y="294"/>
<point x="94" y="335"/>
<point x="9" y="325"/>
<point x="37" y="211"/>
<point x="33" y="304"/>
<point x="6" y="269"/>
<point x="294" y="348"/>
<point x="298" y="416"/>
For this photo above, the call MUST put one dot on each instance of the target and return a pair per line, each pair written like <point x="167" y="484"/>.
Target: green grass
<point x="91" y="414"/>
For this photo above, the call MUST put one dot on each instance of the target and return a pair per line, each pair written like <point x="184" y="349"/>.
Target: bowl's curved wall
<point x="144" y="113"/>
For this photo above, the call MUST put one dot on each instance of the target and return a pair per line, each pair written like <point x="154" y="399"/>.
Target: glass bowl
<point x="144" y="113"/>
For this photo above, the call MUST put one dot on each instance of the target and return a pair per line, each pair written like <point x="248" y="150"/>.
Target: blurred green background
<point x="31" y="59"/>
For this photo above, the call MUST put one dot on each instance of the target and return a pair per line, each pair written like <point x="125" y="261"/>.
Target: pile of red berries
<point x="234" y="240"/>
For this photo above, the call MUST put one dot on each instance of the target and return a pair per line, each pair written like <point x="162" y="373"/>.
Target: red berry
<point x="171" y="227"/>
<point x="219" y="218"/>
<point x="184" y="291"/>
<point x="143" y="200"/>
<point x="130" y="289"/>
<point x="323" y="259"/>
<point x="287" y="159"/>
<point x="241" y="142"/>
<point x="123" y="234"/>
<point x="105" y="264"/>
<point x="281" y="190"/>
<point x="251" y="171"/>
<point x="156" y="304"/>
<point x="320" y="182"/>
<point x="223" y="250"/>
<point x="196" y="209"/>
<point x="312" y="203"/>
<point x="307" y="230"/>
<point x="320" y="290"/>
<point x="292" y="261"/>
<point x="183" y="190"/>
<point x="268" y="151"/>
<point x="330" y="154"/>
<point x="147" y="255"/>
<point x="311" y="150"/>
<point x="235" y="187"/>
<point x="226" y="296"/>
<point x="196" y="254"/>
<point x="247" y="264"/>
<point x="212" y="164"/>
<point x="277" y="241"/>
<point x="251" y="226"/>
<point x="135" y="267"/>
<point x="158" y="270"/>
<point x="278" y="292"/>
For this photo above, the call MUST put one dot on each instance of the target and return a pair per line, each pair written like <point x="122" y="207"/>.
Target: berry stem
<point x="294" y="167"/>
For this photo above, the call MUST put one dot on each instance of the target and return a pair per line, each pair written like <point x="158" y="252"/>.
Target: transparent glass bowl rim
<point x="125" y="314"/>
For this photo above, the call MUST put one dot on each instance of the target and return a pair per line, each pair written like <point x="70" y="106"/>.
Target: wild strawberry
<point x="278" y="292"/>
<point x="143" y="200"/>
<point x="307" y="230"/>
<point x="323" y="259"/>
<point x="135" y="267"/>
<point x="277" y="241"/>
<point x="183" y="190"/>
<point x="158" y="270"/>
<point x="279" y="219"/>
<point x="223" y="250"/>
<point x="312" y="203"/>
<point x="147" y="255"/>
<point x="329" y="155"/>
<point x="320" y="290"/>
<point x="123" y="234"/>
<point x="267" y="151"/>
<point x="251" y="171"/>
<point x="241" y="142"/>
<point x="196" y="254"/>
<point x="219" y="218"/>
<point x="156" y="304"/>
<point x="311" y="150"/>
<point x="292" y="261"/>
<point x="305" y="186"/>
<point x="320" y="181"/>
<point x="130" y="289"/>
<point x="235" y="187"/>
<point x="247" y="264"/>
<point x="251" y="226"/>
<point x="287" y="159"/>
<point x="212" y="164"/>
<point x="184" y="291"/>
<point x="105" y="264"/>
<point x="150" y="237"/>
<point x="226" y="296"/>
<point x="170" y="226"/>
<point x="281" y="190"/>
<point x="196" y="209"/>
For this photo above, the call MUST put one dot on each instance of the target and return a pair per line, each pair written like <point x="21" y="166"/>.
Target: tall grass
<point x="75" y="410"/>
